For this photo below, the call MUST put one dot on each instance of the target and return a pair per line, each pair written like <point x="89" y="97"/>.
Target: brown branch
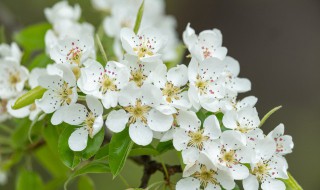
<point x="151" y="167"/>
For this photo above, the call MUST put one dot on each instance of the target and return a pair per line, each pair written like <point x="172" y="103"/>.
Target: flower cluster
<point x="193" y="106"/>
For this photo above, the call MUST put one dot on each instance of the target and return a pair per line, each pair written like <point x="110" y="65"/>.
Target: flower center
<point x="74" y="55"/>
<point x="144" y="47"/>
<point x="201" y="85"/>
<point x="138" y="77"/>
<point x="138" y="111"/>
<point x="107" y="83"/>
<point x="171" y="92"/>
<point x="65" y="94"/>
<point x="206" y="52"/>
<point x="14" y="78"/>
<point x="228" y="157"/>
<point x="206" y="176"/>
<point x="261" y="170"/>
<point x="197" y="139"/>
<point x="89" y="123"/>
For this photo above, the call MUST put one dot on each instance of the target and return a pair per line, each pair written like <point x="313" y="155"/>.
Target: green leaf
<point x="29" y="97"/>
<point x="119" y="149"/>
<point x="92" y="167"/>
<point x="41" y="60"/>
<point x="93" y="145"/>
<point x="102" y="153"/>
<point x="291" y="183"/>
<point x="85" y="183"/>
<point x="264" y="119"/>
<point x="163" y="147"/>
<point x="143" y="151"/>
<point x="68" y="157"/>
<point x="20" y="136"/>
<point x="32" y="37"/>
<point x="139" y="18"/>
<point x="29" y="180"/>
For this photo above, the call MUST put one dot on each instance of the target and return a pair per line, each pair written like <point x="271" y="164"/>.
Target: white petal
<point x="78" y="139"/>
<point x="212" y="127"/>
<point x="233" y="139"/>
<point x="247" y="101"/>
<point x="265" y="148"/>
<point x="180" y="139"/>
<point x="182" y="103"/>
<point x="94" y="105"/>
<point x="225" y="180"/>
<point x="49" y="102"/>
<point x="158" y="121"/>
<point x="117" y="120"/>
<point x="50" y="81"/>
<point x="188" y="120"/>
<point x="166" y="109"/>
<point x="273" y="184"/>
<point x="97" y="125"/>
<point x="178" y="75"/>
<point x="250" y="183"/>
<point x="190" y="155"/>
<point x="75" y="114"/>
<point x="140" y="133"/>
<point x="189" y="183"/>
<point x="110" y="99"/>
<point x="229" y="120"/>
<point x="19" y="113"/>
<point x="58" y="115"/>
<point x="242" y="85"/>
<point x="239" y="172"/>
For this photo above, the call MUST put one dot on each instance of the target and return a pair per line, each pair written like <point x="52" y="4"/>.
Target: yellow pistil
<point x="243" y="129"/>
<point x="228" y="157"/>
<point x="74" y="55"/>
<point x="206" y="176"/>
<point x="197" y="139"/>
<point x="107" y="83"/>
<point x="138" y="77"/>
<point x="261" y="170"/>
<point x="143" y="50"/>
<point x="89" y="123"/>
<point x="14" y="78"/>
<point x="201" y="85"/>
<point x="76" y="71"/>
<point x="137" y="111"/>
<point x="171" y="92"/>
<point x="65" y="94"/>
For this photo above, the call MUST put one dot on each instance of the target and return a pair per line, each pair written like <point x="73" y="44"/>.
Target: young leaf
<point x="91" y="167"/>
<point x="93" y="145"/>
<point x="29" y="180"/>
<point x="119" y="149"/>
<point x="102" y="153"/>
<point x="41" y="60"/>
<point x="143" y="151"/>
<point x="264" y="119"/>
<point x="29" y="97"/>
<point x="32" y="37"/>
<point x="139" y="18"/>
<point x="68" y="157"/>
<point x="163" y="147"/>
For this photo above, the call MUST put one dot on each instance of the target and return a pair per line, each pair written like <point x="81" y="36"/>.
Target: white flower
<point x="284" y="142"/>
<point x="3" y="177"/>
<point x="230" y="152"/>
<point x="172" y="85"/>
<point x="61" y="91"/>
<point x="12" y="78"/>
<point x="238" y="105"/>
<point x="205" y="89"/>
<point x="91" y="122"/>
<point x="73" y="51"/>
<point x="208" y="44"/>
<point x="104" y="83"/>
<point x="190" y="138"/>
<point x="11" y="52"/>
<point x="61" y="11"/>
<point x="103" y="5"/>
<point x="139" y="113"/>
<point x="4" y="115"/>
<point x="203" y="175"/>
<point x="146" y="45"/>
<point x="267" y="168"/>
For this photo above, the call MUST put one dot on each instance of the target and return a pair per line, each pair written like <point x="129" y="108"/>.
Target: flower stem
<point x="291" y="183"/>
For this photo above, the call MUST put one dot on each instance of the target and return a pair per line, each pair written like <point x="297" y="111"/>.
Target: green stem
<point x="291" y="183"/>
<point x="104" y="55"/>
<point x="264" y="119"/>
<point x="124" y="181"/>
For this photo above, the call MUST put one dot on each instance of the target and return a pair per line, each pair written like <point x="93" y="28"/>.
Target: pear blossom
<point x="12" y="78"/>
<point x="266" y="168"/>
<point x="237" y="105"/>
<point x="104" y="83"/>
<point x="139" y="113"/>
<point x="146" y="45"/>
<point x="204" y="88"/>
<point x="208" y="44"/>
<point x="190" y="138"/>
<point x="203" y="175"/>
<point x="91" y="122"/>
<point x="229" y="153"/>
<point x="172" y="85"/>
<point x="61" y="91"/>
<point x="10" y="52"/>
<point x="284" y="144"/>
<point x="61" y="11"/>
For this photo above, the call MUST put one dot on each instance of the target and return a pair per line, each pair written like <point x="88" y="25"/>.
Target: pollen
<point x="138" y="112"/>
<point x="138" y="77"/>
<point x="89" y="123"/>
<point x="74" y="55"/>
<point x="206" y="176"/>
<point x="107" y="83"/>
<point x="261" y="170"/>
<point x="171" y="92"/>
<point x="201" y="85"/>
<point x="197" y="139"/>
<point x="65" y="94"/>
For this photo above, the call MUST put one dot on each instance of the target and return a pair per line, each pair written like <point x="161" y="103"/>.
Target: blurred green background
<point x="278" y="46"/>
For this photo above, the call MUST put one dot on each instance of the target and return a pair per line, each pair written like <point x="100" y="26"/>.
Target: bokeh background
<point x="278" y="46"/>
